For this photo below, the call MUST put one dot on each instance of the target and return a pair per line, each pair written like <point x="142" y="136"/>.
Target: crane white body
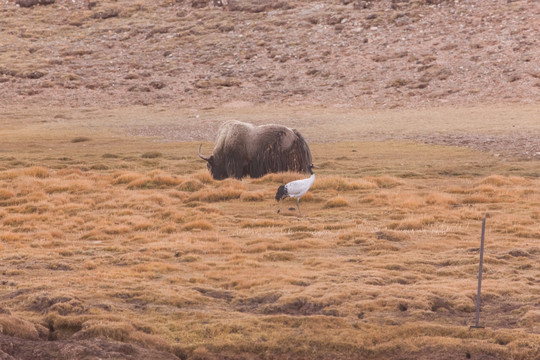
<point x="295" y="189"/>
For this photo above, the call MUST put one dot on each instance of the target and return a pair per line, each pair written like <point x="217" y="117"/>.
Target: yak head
<point x="216" y="168"/>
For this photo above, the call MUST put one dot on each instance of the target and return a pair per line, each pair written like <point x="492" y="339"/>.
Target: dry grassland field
<point x="422" y="116"/>
<point x="110" y="238"/>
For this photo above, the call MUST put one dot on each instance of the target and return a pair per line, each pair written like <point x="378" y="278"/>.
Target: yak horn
<point x="201" y="155"/>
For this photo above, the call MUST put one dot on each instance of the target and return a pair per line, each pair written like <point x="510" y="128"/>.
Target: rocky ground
<point x="201" y="53"/>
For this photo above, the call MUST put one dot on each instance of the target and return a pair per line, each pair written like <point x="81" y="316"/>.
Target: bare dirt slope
<point x="381" y="53"/>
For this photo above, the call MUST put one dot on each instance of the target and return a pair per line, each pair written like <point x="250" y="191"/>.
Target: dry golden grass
<point x="153" y="251"/>
<point x="338" y="201"/>
<point x="343" y="184"/>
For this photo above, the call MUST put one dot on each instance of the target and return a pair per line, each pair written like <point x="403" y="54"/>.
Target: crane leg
<point x="298" y="206"/>
<point x="280" y="203"/>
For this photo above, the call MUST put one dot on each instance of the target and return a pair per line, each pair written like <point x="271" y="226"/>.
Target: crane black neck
<point x="310" y="167"/>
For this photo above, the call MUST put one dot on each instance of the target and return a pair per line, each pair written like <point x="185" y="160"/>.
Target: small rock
<point x="32" y="3"/>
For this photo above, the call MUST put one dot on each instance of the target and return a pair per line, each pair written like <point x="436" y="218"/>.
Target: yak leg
<point x="235" y="169"/>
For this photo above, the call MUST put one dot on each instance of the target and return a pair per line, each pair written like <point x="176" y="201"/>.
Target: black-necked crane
<point x="295" y="189"/>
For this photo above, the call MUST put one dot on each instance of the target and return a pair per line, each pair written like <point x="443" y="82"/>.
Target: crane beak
<point x="313" y="166"/>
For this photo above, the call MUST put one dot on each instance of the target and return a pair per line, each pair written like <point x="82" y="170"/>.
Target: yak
<point x="243" y="149"/>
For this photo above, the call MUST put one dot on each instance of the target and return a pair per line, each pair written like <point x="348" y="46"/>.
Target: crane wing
<point x="298" y="187"/>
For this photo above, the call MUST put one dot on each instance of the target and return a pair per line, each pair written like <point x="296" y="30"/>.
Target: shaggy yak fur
<point x="243" y="149"/>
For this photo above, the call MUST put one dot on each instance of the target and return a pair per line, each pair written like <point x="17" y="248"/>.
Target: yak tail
<point x="274" y="158"/>
<point x="300" y="155"/>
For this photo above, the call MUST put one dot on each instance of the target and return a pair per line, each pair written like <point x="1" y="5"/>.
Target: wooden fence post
<point x="478" y="295"/>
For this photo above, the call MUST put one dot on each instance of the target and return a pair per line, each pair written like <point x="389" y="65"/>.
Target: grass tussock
<point x="204" y="177"/>
<point x="441" y="199"/>
<point x="488" y="189"/>
<point x="215" y="195"/>
<point x="338" y="201"/>
<point x="17" y="220"/>
<point x="531" y="318"/>
<point x="308" y="197"/>
<point x="35" y="171"/>
<point x="278" y="256"/>
<point x="262" y="224"/>
<point x="191" y="185"/>
<point x="395" y="236"/>
<point x="252" y="196"/>
<point x="152" y="180"/>
<point x="406" y="201"/>
<point x="385" y="181"/>
<point x="6" y="194"/>
<point x="143" y="225"/>
<point x="119" y="229"/>
<point x="120" y="331"/>
<point x="412" y="224"/>
<point x="342" y="184"/>
<point x="125" y="177"/>
<point x="197" y="225"/>
<point x="479" y="199"/>
<point x="279" y="178"/>
<point x="75" y="186"/>
<point x="10" y="237"/>
<point x="13" y="326"/>
<point x="153" y="183"/>
<point x="151" y="155"/>
<point x="499" y="180"/>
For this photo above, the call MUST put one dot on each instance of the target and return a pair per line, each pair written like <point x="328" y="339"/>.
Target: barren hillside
<point x="381" y="53"/>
